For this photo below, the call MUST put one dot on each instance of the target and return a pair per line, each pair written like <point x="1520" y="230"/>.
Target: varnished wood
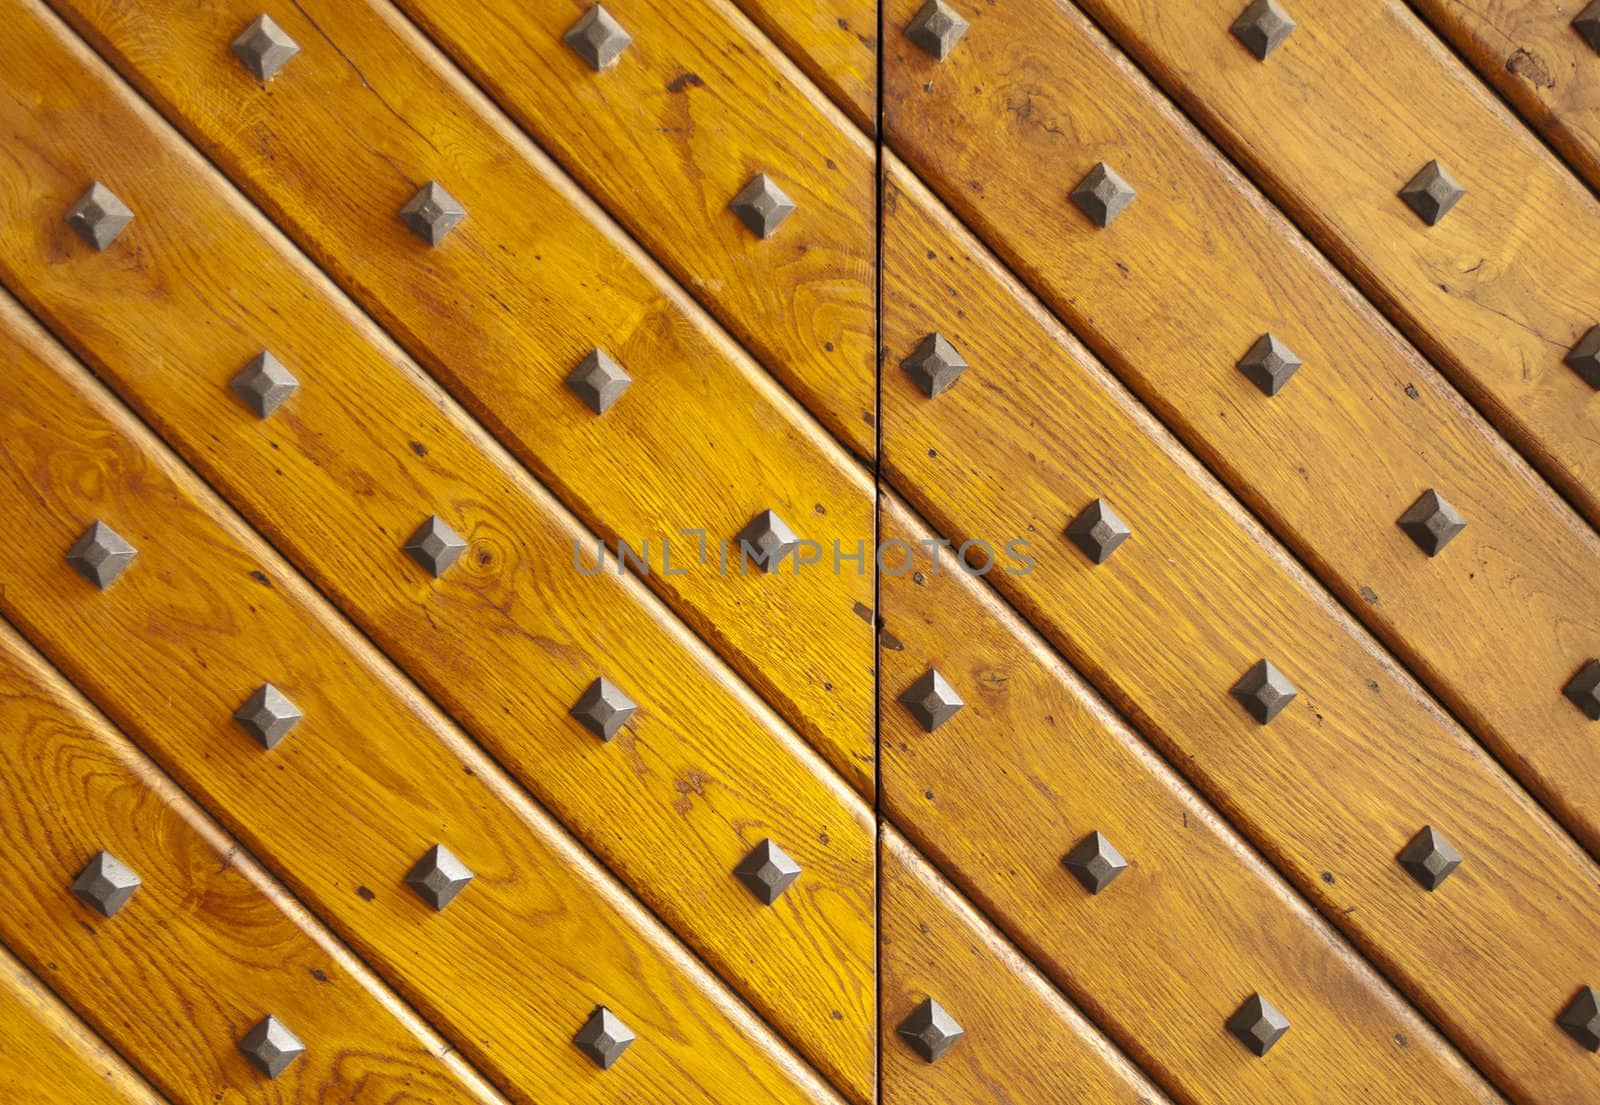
<point x="343" y="473"/>
<point x="532" y="281"/>
<point x="372" y="776"/>
<point x="206" y="947"/>
<point x="1335" y="786"/>
<point x="1022" y="1042"/>
<point x="835" y="41"/>
<point x="1178" y="289"/>
<point x="1334" y="124"/>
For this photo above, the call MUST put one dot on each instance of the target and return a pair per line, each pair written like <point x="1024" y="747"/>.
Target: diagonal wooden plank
<point x="834" y="41"/>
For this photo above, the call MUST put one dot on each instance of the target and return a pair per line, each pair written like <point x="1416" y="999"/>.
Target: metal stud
<point x="598" y="38"/>
<point x="1432" y="523"/>
<point x="1269" y="364"/>
<point x="930" y="1030"/>
<point x="1587" y="24"/>
<point x="438" y="877"/>
<point x="604" y="709"/>
<point x="1584" y="358"/>
<point x="1432" y="193"/>
<point x="264" y="47"/>
<point x="1257" y="1025"/>
<point x="604" y="1037"/>
<point x="765" y="540"/>
<point x="936" y="28"/>
<point x="432" y="213"/>
<point x="934" y="365"/>
<point x="1263" y="27"/>
<point x="99" y="216"/>
<point x="1583" y="690"/>
<point x="1430" y="858"/>
<point x="105" y="883"/>
<point x="1581" y="1018"/>
<point x="1264" y="691"/>
<point x="271" y="1047"/>
<point x="101" y="555"/>
<point x="1102" y="194"/>
<point x="1094" y="862"/>
<point x="268" y="715"/>
<point x="264" y="384"/>
<point x="1098" y="531"/>
<point x="931" y="700"/>
<point x="767" y="871"/>
<point x="762" y="206"/>
<point x="599" y="381"/>
<point x="436" y="546"/>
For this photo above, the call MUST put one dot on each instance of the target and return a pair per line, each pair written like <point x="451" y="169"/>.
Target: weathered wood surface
<point x="1342" y="779"/>
<point x="520" y="292"/>
<point x="508" y="640"/>
<point x="835" y="41"/>
<point x="1177" y="290"/>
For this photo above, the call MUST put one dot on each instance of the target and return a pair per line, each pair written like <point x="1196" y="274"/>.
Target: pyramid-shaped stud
<point x="264" y="384"/>
<point x="1269" y="364"/>
<point x="598" y="38"/>
<point x="1587" y="24"/>
<point x="1581" y="1018"/>
<point x="1432" y="193"/>
<point x="599" y="381"/>
<point x="268" y="715"/>
<point x="1094" y="862"/>
<point x="762" y="206"/>
<point x="1430" y="858"/>
<point x="105" y="883"/>
<point x="1584" y="358"/>
<point x="767" y="871"/>
<point x="1264" y="691"/>
<point x="264" y="47"/>
<point x="1432" y="523"/>
<point x="1102" y="194"/>
<point x="1262" y="27"/>
<point x="271" y="1047"/>
<point x="1583" y="690"/>
<point x="101" y="555"/>
<point x="438" y="877"/>
<point x="937" y="27"/>
<point x="930" y="1031"/>
<point x="934" y="365"/>
<point x="765" y="540"/>
<point x="1098" y="531"/>
<point x="1257" y="1025"/>
<point x="932" y="700"/>
<point x="436" y="546"/>
<point x="604" y="1037"/>
<point x="99" y="216"/>
<point x="432" y="213"/>
<point x="604" y="709"/>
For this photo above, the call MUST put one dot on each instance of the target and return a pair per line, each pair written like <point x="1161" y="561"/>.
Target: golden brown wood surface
<point x="1335" y="786"/>
<point x="1177" y="290"/>
<point x="835" y="41"/>
<point x="206" y="947"/>
<point x="528" y="285"/>
<point x="1334" y="124"/>
<point x="48" y="1056"/>
<point x="367" y="782"/>
<point x="1164" y="955"/>
<point x="509" y="639"/>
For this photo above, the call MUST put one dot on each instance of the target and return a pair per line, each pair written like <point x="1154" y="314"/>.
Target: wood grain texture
<point x="1529" y="50"/>
<point x="1178" y="289"/>
<point x="835" y="41"/>
<point x="367" y="782"/>
<point x="206" y="947"/>
<point x="533" y="280"/>
<point x="1337" y="785"/>
<point x="1022" y="1043"/>
<point x="49" y="1057"/>
<point x="668" y="136"/>
<point x="508" y="640"/>
<point x="1334" y="124"/>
